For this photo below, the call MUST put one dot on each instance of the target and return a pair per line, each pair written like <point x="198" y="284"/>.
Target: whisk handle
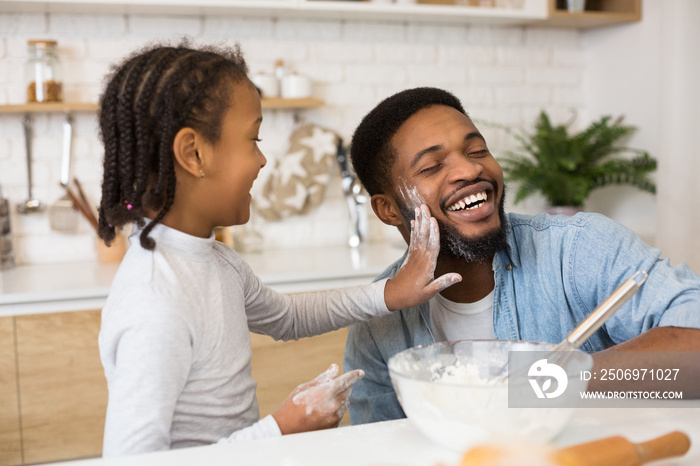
<point x="607" y="308"/>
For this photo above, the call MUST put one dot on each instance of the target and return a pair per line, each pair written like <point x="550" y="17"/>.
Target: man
<point x="524" y="277"/>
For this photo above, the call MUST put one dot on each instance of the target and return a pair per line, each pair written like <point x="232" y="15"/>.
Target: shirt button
<point x="509" y="267"/>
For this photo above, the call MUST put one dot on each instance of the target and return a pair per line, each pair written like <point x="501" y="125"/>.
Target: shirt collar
<point x="170" y="238"/>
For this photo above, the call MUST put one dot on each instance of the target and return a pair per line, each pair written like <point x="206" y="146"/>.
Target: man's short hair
<point x="371" y="152"/>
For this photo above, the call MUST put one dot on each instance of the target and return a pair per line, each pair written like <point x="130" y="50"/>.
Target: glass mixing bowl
<point x="449" y="393"/>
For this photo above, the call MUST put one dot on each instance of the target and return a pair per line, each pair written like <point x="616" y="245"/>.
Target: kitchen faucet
<point x="356" y="198"/>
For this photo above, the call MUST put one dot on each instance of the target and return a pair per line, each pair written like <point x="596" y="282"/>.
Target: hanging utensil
<point x="92" y="216"/>
<point x="354" y="198"/>
<point x="31" y="205"/>
<point x="63" y="215"/>
<point x="84" y="210"/>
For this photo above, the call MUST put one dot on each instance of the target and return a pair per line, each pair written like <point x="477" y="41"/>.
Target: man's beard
<point x="454" y="243"/>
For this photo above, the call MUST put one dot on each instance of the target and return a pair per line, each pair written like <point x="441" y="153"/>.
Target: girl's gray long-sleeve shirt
<point x="175" y="345"/>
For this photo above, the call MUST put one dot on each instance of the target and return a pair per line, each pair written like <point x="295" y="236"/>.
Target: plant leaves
<point x="566" y="167"/>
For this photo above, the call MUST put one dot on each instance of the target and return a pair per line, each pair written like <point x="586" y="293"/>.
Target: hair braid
<point x="109" y="136"/>
<point x="144" y="125"/>
<point x="127" y="140"/>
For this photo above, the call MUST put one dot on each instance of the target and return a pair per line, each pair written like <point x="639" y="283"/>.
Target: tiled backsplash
<point x="502" y="74"/>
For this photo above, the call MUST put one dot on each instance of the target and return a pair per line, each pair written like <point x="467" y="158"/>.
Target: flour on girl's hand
<point x="328" y="393"/>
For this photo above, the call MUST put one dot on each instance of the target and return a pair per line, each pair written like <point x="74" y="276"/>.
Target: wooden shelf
<point x="280" y="103"/>
<point x="66" y="107"/>
<point x="598" y="13"/>
<point x="49" y="107"/>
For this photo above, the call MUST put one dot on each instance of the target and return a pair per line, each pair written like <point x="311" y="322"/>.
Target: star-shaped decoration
<point x="321" y="143"/>
<point x="290" y="165"/>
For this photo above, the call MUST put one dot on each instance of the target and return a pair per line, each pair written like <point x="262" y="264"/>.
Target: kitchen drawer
<point x="62" y="386"/>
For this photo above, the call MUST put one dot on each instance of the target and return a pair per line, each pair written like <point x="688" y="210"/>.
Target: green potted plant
<point x="565" y="167"/>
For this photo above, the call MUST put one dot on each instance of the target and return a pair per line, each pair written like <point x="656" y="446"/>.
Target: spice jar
<point x="43" y="72"/>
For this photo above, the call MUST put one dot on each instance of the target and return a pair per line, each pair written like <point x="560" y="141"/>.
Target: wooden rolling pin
<point x="618" y="451"/>
<point x="610" y="451"/>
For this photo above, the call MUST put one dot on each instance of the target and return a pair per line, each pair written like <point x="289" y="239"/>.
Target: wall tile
<point x="12" y="24"/>
<point x="408" y="53"/>
<point x="341" y="52"/>
<point x="419" y="75"/>
<point x="375" y="74"/>
<point x="373" y="32"/>
<point x="268" y="51"/>
<point x="494" y="36"/>
<point x="86" y="25"/>
<point x="294" y="29"/>
<point x="554" y="76"/>
<point x="525" y="56"/>
<point x="164" y="27"/>
<point x="516" y="95"/>
<point x="548" y="37"/>
<point x="495" y="75"/>
<point x="466" y="54"/>
<point x="235" y="29"/>
<point x="112" y="50"/>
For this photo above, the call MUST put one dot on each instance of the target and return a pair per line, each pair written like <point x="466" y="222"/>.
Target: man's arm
<point x="671" y="350"/>
<point x="658" y="339"/>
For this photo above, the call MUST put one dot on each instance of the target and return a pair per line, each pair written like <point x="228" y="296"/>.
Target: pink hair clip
<point x="128" y="206"/>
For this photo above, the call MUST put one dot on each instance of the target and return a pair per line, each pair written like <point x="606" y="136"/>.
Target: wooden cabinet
<point x="10" y="440"/>
<point x="54" y="393"/>
<point x="63" y="391"/>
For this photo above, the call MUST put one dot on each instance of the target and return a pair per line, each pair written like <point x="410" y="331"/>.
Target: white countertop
<point x="394" y="443"/>
<point x="78" y="286"/>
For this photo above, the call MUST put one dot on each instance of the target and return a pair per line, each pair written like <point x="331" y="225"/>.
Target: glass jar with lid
<point x="43" y="72"/>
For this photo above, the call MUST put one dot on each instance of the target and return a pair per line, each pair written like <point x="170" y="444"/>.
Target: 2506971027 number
<point x="632" y="374"/>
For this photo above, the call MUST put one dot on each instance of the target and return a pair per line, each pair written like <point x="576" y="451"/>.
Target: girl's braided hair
<point x="148" y="98"/>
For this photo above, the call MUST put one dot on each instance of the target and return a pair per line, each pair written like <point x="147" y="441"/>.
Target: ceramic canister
<point x="295" y="86"/>
<point x="268" y="84"/>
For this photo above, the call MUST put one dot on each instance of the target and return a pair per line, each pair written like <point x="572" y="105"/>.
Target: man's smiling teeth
<point x="470" y="202"/>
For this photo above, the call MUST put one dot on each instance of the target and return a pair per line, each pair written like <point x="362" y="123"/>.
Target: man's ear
<point x="186" y="150"/>
<point x="386" y="209"/>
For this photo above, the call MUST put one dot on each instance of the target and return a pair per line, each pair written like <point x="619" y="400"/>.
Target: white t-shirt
<point x="175" y="345"/>
<point x="462" y="321"/>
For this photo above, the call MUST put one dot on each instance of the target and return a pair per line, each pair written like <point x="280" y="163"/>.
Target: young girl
<point x="180" y="131"/>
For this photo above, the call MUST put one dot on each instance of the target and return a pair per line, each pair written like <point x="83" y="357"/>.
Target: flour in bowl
<point x="458" y="374"/>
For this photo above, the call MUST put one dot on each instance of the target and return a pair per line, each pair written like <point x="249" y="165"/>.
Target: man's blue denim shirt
<point x="553" y="273"/>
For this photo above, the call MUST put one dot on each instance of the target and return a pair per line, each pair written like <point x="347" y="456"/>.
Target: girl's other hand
<point x="413" y="284"/>
<point x="319" y="404"/>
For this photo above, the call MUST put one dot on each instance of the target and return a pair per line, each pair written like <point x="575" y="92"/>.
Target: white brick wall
<point x="502" y="74"/>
